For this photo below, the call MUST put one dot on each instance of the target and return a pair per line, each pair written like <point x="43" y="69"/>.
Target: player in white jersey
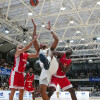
<point x="46" y="61"/>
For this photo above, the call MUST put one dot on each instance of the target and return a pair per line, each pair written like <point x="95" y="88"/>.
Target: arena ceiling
<point x="76" y="22"/>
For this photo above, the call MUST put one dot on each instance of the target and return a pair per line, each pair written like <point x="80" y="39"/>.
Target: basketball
<point x="34" y="2"/>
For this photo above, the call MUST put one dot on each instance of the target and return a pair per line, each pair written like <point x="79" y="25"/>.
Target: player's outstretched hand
<point x="33" y="22"/>
<point x="35" y="37"/>
<point x="49" y="26"/>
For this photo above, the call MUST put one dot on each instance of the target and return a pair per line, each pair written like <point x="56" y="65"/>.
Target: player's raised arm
<point x="57" y="54"/>
<point x="36" y="45"/>
<point x="33" y="55"/>
<point x="56" y="40"/>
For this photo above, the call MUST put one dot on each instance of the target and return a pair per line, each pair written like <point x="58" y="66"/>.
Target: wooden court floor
<point x="94" y="98"/>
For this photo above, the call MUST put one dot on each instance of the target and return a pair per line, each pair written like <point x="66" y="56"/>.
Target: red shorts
<point x="16" y="80"/>
<point x="29" y="88"/>
<point x="63" y="82"/>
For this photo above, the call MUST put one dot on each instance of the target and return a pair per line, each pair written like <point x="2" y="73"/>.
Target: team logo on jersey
<point x="65" y="64"/>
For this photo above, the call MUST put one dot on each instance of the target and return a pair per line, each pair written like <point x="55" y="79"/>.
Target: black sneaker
<point x="45" y="61"/>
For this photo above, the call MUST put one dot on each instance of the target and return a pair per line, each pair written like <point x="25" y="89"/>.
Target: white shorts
<point x="45" y="77"/>
<point x="44" y="82"/>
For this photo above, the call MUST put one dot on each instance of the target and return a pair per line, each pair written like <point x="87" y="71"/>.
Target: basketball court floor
<point x="67" y="99"/>
<point x="93" y="98"/>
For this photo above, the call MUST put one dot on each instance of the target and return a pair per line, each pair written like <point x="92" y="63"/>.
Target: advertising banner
<point x="5" y="94"/>
<point x="66" y="95"/>
<point x="4" y="71"/>
<point x="94" y="79"/>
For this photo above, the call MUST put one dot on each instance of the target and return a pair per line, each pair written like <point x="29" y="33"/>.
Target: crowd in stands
<point x="82" y="74"/>
<point x="5" y="64"/>
<point x="95" y="93"/>
<point x="4" y="80"/>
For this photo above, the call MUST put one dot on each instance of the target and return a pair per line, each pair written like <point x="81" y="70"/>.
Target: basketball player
<point x="30" y="83"/>
<point x="16" y="80"/>
<point x="60" y="77"/>
<point x="46" y="57"/>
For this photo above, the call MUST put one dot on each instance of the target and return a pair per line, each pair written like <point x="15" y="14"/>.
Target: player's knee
<point x="12" y="92"/>
<point x="21" y="91"/>
<point x="42" y="90"/>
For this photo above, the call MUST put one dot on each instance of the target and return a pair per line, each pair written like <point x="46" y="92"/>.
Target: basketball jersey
<point x="44" y="51"/>
<point x="20" y="63"/>
<point x="65" y="63"/>
<point x="29" y="80"/>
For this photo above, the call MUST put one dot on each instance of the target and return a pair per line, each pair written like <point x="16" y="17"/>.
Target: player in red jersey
<point x="30" y="83"/>
<point x="16" y="80"/>
<point x="60" y="78"/>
